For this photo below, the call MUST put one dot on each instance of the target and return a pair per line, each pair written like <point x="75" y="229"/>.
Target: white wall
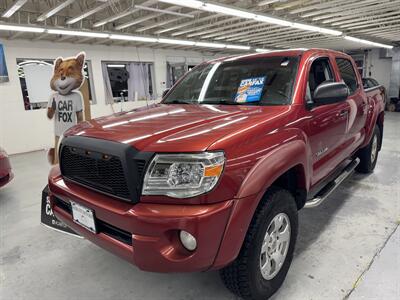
<point x="379" y="68"/>
<point x="23" y="131"/>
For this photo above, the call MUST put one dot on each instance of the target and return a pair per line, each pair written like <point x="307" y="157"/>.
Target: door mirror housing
<point x="330" y="92"/>
<point x="165" y="92"/>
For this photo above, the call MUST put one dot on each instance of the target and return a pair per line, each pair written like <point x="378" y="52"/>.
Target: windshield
<point x="266" y="81"/>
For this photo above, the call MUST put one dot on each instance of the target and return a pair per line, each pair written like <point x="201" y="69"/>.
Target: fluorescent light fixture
<point x="260" y="50"/>
<point x="316" y="29"/>
<point x="54" y="10"/>
<point x="116" y="66"/>
<point x="88" y="13"/>
<point x="21" y="28"/>
<point x="353" y="39"/>
<point x="116" y="17"/>
<point x="231" y="11"/>
<point x="78" y="33"/>
<point x="132" y="38"/>
<point x="210" y="45"/>
<point x="266" y="2"/>
<point x="228" y="11"/>
<point x="176" y="42"/>
<point x="266" y="19"/>
<point x="188" y="3"/>
<point x="17" y="5"/>
<point x="239" y="47"/>
<point x="164" y="11"/>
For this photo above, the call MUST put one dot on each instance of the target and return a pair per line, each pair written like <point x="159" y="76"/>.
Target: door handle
<point x="343" y="113"/>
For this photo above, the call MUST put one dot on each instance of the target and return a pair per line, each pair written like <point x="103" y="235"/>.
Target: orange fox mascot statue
<point x="66" y="103"/>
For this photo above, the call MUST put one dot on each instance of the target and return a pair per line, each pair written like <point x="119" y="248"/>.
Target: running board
<point x="331" y="186"/>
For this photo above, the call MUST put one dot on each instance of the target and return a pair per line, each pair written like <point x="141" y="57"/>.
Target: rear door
<point x="328" y="123"/>
<point x="357" y="101"/>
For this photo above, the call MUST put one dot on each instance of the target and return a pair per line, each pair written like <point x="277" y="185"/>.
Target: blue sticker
<point x="250" y="90"/>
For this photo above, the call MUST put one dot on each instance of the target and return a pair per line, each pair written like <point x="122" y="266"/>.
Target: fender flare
<point x="253" y="188"/>
<point x="376" y="113"/>
<point x="273" y="165"/>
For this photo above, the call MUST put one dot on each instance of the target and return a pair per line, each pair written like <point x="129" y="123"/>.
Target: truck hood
<point x="176" y="127"/>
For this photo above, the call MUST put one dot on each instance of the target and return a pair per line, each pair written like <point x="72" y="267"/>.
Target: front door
<point x="327" y="123"/>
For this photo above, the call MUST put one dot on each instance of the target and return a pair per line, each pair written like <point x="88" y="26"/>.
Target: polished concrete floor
<point x="342" y="251"/>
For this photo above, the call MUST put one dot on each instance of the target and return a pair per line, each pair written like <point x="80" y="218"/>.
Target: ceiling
<point x="372" y="20"/>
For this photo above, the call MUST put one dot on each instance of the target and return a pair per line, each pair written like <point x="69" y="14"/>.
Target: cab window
<point x="320" y="72"/>
<point x="347" y="73"/>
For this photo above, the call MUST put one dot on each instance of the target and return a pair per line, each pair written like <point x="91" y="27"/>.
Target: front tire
<point x="369" y="154"/>
<point x="267" y="251"/>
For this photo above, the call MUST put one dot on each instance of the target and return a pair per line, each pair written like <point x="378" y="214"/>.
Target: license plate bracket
<point x="83" y="216"/>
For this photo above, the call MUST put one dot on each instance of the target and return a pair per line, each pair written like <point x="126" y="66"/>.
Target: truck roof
<point x="285" y="52"/>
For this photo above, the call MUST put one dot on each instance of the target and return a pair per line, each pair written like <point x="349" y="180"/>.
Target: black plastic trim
<point x="127" y="154"/>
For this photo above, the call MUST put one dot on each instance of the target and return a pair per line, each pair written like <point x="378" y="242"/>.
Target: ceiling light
<point x="271" y="20"/>
<point x="315" y="28"/>
<point x="353" y="39"/>
<point x="17" y="5"/>
<point x="132" y="38"/>
<point x="78" y="33"/>
<point x="188" y="3"/>
<point x="231" y="11"/>
<point x="266" y="2"/>
<point x="54" y="10"/>
<point x="239" y="47"/>
<point x="210" y="45"/>
<point x="176" y="42"/>
<point x="164" y="11"/>
<point x="116" y="17"/>
<point x="88" y="13"/>
<point x="228" y="11"/>
<point x="21" y="28"/>
<point x="260" y="50"/>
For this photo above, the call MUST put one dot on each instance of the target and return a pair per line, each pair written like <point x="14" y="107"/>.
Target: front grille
<point x="95" y="170"/>
<point x="140" y="167"/>
<point x="113" y="168"/>
<point x="103" y="227"/>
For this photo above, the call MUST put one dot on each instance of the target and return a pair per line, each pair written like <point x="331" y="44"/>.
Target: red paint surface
<point x="260" y="144"/>
<point x="6" y="174"/>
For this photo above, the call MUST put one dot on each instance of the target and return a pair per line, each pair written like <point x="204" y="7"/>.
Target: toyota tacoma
<point x="214" y="175"/>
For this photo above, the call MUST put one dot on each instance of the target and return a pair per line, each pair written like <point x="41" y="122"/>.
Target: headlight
<point x="183" y="175"/>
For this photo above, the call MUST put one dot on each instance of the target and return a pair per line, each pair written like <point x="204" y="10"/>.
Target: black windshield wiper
<point x="224" y="102"/>
<point x="179" y="102"/>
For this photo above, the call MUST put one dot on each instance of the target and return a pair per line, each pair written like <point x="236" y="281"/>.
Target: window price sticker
<point x="250" y="89"/>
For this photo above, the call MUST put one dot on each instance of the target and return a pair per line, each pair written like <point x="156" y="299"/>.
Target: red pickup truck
<point x="214" y="175"/>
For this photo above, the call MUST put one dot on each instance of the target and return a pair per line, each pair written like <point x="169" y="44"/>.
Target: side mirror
<point x="330" y="92"/>
<point x="165" y="92"/>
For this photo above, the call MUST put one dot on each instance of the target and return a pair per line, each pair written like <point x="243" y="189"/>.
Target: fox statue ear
<point x="57" y="62"/>
<point x="81" y="58"/>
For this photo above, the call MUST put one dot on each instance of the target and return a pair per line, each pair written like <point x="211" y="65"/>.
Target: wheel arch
<point x="290" y="173"/>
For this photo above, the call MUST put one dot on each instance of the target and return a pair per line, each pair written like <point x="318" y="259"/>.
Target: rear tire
<point x="254" y="275"/>
<point x="369" y="154"/>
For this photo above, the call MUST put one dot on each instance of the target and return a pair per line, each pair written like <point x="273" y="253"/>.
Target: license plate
<point x="83" y="216"/>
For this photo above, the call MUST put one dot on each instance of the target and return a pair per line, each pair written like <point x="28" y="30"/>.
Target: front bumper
<point x="154" y="228"/>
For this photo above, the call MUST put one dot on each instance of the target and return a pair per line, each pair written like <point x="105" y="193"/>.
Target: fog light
<point x="188" y="240"/>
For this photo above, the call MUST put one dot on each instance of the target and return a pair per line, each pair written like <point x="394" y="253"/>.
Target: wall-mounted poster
<point x="3" y="66"/>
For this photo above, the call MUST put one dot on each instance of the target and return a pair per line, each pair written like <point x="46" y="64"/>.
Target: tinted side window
<point x="347" y="73"/>
<point x="320" y="72"/>
<point x="374" y="82"/>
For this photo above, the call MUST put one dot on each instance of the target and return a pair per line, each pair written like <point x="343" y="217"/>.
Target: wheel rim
<point x="374" y="148"/>
<point x="275" y="246"/>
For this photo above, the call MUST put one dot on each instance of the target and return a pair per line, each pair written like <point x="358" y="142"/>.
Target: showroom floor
<point x="337" y="243"/>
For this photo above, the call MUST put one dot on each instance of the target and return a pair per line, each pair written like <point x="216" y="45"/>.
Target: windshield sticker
<point x="250" y="90"/>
